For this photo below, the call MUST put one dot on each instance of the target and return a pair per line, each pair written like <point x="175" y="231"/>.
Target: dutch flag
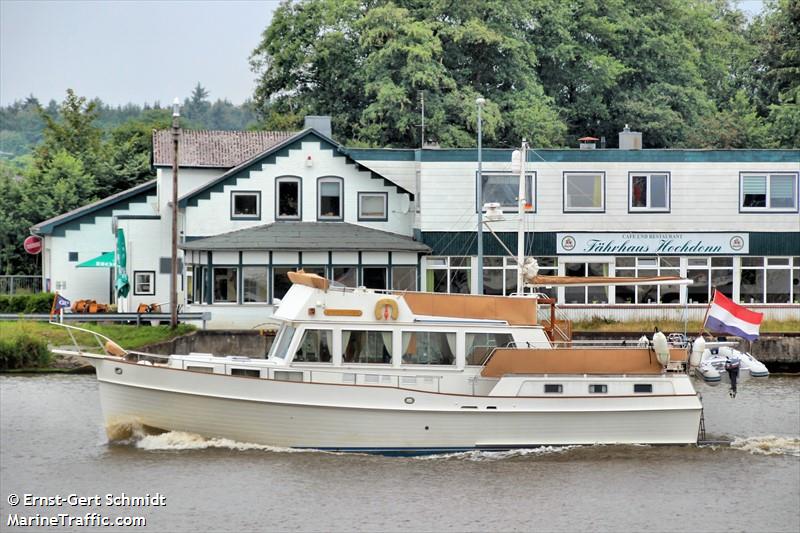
<point x="724" y="316"/>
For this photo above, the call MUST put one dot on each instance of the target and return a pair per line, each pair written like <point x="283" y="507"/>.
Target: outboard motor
<point x="732" y="367"/>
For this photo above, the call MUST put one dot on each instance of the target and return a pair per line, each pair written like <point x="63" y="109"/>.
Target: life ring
<point x="385" y="309"/>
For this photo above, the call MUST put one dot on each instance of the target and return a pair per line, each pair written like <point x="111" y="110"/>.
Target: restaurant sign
<point x="653" y="243"/>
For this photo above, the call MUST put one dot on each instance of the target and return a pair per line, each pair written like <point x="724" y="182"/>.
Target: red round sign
<point x="33" y="244"/>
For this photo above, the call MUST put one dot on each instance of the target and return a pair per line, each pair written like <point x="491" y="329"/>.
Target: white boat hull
<point x="382" y="419"/>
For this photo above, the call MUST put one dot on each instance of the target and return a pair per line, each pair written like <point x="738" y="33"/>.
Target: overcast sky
<point x="123" y="51"/>
<point x="140" y="51"/>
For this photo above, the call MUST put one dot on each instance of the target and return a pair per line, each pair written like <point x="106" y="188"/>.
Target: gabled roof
<point x="308" y="236"/>
<point x="266" y="157"/>
<point x="132" y="195"/>
<point x="213" y="149"/>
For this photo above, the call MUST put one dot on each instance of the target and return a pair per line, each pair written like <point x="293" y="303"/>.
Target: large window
<point x="347" y="275"/>
<point x="770" y="280"/>
<point x="448" y="274"/>
<point x="768" y="192"/>
<point x="287" y="199"/>
<point x="254" y="282"/>
<point x="404" y="278"/>
<point x="500" y="275"/>
<point x="281" y="282"/>
<point x="480" y="345"/>
<point x="246" y="205"/>
<point x="315" y="347"/>
<point x="504" y="190"/>
<point x="225" y="284"/>
<point x="429" y="348"/>
<point x="706" y="274"/>
<point x="647" y="267"/>
<point x="144" y="283"/>
<point x="367" y="346"/>
<point x="375" y="277"/>
<point x="584" y="191"/>
<point x="373" y="206"/>
<point x="329" y="198"/>
<point x="649" y="191"/>
<point x="582" y="294"/>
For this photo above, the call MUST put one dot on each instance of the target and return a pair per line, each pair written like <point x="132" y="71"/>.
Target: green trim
<point x="104" y="207"/>
<point x="544" y="243"/>
<point x="503" y="155"/>
<point x="269" y="157"/>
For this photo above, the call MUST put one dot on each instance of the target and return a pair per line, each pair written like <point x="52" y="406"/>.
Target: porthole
<point x="118" y="370"/>
<point x="409" y="400"/>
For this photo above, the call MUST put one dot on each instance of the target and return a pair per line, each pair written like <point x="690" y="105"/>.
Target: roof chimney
<point x="630" y="140"/>
<point x="321" y="123"/>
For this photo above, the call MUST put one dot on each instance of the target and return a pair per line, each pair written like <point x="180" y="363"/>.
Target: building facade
<point x="254" y="205"/>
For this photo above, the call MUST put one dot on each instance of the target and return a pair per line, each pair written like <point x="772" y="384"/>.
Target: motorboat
<point x="355" y="369"/>
<point x="718" y="354"/>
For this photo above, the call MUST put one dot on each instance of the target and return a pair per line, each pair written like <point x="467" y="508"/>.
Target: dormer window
<point x="329" y="198"/>
<point x="246" y="205"/>
<point x="287" y="199"/>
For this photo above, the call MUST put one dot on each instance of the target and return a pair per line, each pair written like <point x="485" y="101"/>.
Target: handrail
<point x="97" y="336"/>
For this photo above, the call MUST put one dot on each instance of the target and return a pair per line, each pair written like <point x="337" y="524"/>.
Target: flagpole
<point x="53" y="305"/>
<point x="708" y="308"/>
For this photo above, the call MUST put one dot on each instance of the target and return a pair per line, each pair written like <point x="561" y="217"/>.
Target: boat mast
<point x="522" y="203"/>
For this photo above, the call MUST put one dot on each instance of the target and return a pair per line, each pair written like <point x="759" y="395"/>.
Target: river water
<point x="52" y="443"/>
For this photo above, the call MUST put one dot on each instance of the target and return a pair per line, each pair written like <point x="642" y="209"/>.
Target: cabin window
<point x="553" y="388"/>
<point x="254" y="283"/>
<point x="246" y="205"/>
<point x="144" y="283"/>
<point x="768" y="192"/>
<point x="584" y="192"/>
<point x="329" y="198"/>
<point x="247" y="372"/>
<point x="648" y="192"/>
<point x="315" y="347"/>
<point x="287" y="199"/>
<point x="504" y="190"/>
<point x="367" y="346"/>
<point x="225" y="284"/>
<point x="206" y="369"/>
<point x="280" y="346"/>
<point x="480" y="345"/>
<point x="375" y="277"/>
<point x="373" y="206"/>
<point x="642" y="387"/>
<point x="404" y="278"/>
<point x="347" y="276"/>
<point x="598" y="389"/>
<point x="429" y="348"/>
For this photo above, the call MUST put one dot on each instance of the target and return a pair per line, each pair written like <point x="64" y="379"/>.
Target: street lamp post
<point x="173" y="281"/>
<point x="480" y="102"/>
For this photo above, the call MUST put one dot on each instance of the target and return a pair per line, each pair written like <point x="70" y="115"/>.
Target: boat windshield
<point x="280" y="345"/>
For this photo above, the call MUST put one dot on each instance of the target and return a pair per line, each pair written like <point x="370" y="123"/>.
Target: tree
<point x="196" y="107"/>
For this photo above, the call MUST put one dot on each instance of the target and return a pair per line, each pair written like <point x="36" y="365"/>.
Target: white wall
<point x="704" y="197"/>
<point x="189" y="179"/>
<point x="213" y="216"/>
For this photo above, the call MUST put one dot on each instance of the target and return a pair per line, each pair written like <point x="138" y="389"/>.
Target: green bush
<point x="27" y="303"/>
<point x="23" y="350"/>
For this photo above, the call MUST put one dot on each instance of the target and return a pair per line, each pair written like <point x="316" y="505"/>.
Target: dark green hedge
<point x="26" y="303"/>
<point x="23" y="350"/>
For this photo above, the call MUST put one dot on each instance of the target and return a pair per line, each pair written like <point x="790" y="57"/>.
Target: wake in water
<point x="769" y="445"/>
<point x="486" y="455"/>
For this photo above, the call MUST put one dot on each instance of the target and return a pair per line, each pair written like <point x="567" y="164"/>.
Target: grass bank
<point x="600" y="324"/>
<point x="23" y="344"/>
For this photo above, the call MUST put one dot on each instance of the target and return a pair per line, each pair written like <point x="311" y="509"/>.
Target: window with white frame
<point x="500" y="275"/>
<point x="429" y="348"/>
<point x="648" y="191"/>
<point x="770" y="280"/>
<point x="647" y="267"/>
<point x="367" y="346"/>
<point x="583" y="294"/>
<point x="373" y="206"/>
<point x="584" y="191"/>
<point x="448" y="274"/>
<point x="287" y="198"/>
<point x="504" y="190"/>
<point x="314" y="347"/>
<point x="144" y="283"/>
<point x="768" y="192"/>
<point x="225" y="284"/>
<point x="245" y="205"/>
<point x="254" y="284"/>
<point x="329" y="198"/>
<point x="707" y="274"/>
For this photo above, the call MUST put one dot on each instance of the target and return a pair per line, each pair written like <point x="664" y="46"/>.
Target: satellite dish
<point x="405" y="204"/>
